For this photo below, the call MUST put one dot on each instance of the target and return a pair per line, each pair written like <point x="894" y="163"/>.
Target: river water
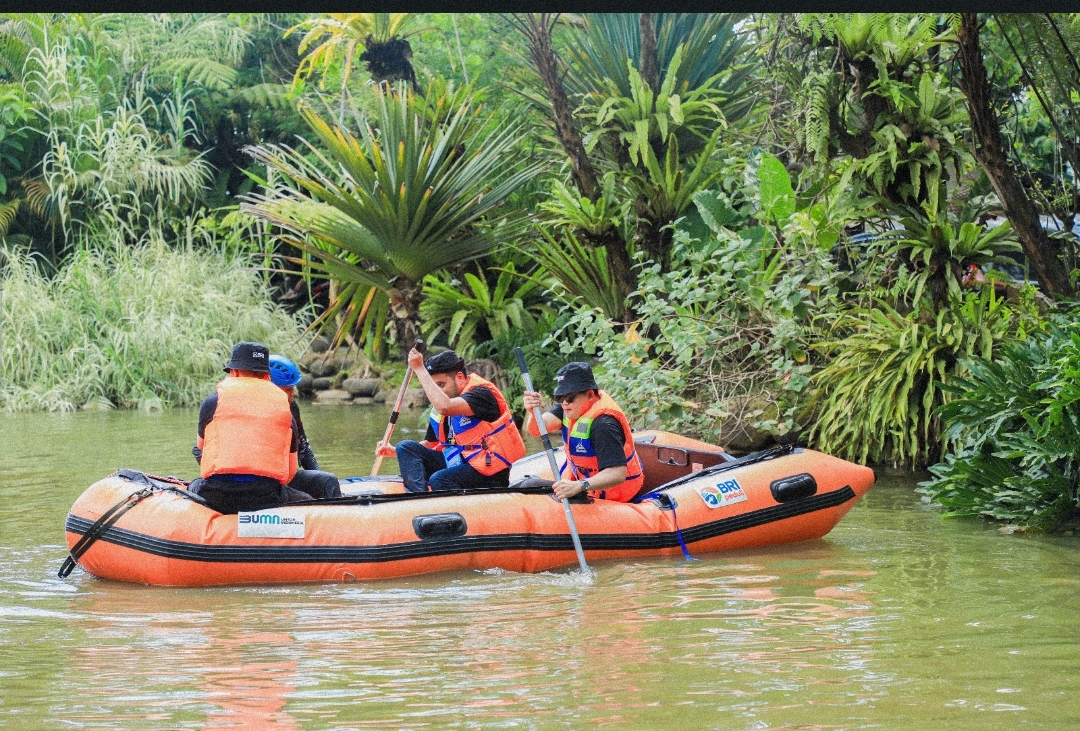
<point x="896" y="620"/>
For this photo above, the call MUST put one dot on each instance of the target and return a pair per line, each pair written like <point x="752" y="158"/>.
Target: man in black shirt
<point x="309" y="478"/>
<point x="597" y="442"/>
<point x="471" y="438"/>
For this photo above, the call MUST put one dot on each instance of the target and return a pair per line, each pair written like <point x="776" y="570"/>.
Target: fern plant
<point x="886" y="374"/>
<point x="475" y="313"/>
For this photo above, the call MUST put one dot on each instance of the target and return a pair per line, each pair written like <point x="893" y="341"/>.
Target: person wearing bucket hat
<point x="471" y="439"/>
<point x="246" y="445"/>
<point x="597" y="439"/>
<point x="309" y="478"/>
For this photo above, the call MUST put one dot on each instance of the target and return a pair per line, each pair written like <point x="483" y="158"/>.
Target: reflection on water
<point x="897" y="620"/>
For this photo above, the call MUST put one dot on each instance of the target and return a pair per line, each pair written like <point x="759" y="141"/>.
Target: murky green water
<point x="896" y="620"/>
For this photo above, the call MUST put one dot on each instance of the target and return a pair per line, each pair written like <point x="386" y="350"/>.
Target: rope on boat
<point x="113" y="514"/>
<point x="763" y="456"/>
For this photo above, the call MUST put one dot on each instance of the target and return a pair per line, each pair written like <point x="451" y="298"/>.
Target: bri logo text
<point x="724" y="493"/>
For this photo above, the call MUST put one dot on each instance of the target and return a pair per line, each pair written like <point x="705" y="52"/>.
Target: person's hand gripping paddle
<point x="538" y="416"/>
<point x="419" y="345"/>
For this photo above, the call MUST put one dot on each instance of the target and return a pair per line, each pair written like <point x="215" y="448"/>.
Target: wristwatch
<point x="584" y="486"/>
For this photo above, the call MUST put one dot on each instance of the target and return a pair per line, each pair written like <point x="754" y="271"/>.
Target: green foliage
<point x="887" y="372"/>
<point x="651" y="141"/>
<point x="894" y="40"/>
<point x="710" y="50"/>
<point x="867" y="88"/>
<point x="133" y="324"/>
<point x="941" y="246"/>
<point x="15" y="111"/>
<point x="128" y="114"/>
<point x="606" y="214"/>
<point x="583" y="275"/>
<point x="917" y="139"/>
<point x="480" y="313"/>
<point x="415" y="192"/>
<point x="1031" y="58"/>
<point x="337" y="39"/>
<point x="722" y="340"/>
<point x="1015" y="421"/>
<point x="776" y="194"/>
<point x="645" y="119"/>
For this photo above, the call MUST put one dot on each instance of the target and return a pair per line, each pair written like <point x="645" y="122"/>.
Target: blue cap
<point x="283" y="372"/>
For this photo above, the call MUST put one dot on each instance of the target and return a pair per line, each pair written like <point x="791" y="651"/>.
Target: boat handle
<point x="440" y="525"/>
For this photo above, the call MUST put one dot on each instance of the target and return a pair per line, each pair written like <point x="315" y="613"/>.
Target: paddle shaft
<point x="538" y="417"/>
<point x="419" y="345"/>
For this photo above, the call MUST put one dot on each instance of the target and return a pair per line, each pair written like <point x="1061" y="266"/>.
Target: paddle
<point x="419" y="345"/>
<point x="538" y="417"/>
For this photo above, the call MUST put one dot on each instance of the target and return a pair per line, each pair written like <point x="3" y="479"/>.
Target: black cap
<point x="249" y="357"/>
<point x="445" y="362"/>
<point x="574" y="377"/>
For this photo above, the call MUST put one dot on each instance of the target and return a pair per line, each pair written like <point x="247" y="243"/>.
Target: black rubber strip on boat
<point x="462" y="544"/>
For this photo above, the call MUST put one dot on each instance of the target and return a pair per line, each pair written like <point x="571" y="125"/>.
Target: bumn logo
<point x="270" y="524"/>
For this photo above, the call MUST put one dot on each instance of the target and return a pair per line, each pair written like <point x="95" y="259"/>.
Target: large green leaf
<point x="777" y="195"/>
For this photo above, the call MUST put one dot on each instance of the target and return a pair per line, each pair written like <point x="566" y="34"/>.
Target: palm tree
<point x="649" y="97"/>
<point x="415" y="192"/>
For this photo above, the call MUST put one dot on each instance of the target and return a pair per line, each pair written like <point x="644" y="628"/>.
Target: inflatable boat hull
<point x="168" y="539"/>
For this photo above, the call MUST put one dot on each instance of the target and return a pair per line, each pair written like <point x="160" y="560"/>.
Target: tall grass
<point x="143" y="326"/>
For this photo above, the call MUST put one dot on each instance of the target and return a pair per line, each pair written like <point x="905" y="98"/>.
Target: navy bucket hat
<point x="574" y="377"/>
<point x="249" y="357"/>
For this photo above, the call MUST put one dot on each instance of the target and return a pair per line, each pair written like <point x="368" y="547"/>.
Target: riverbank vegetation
<point x="140" y="324"/>
<point x="851" y="231"/>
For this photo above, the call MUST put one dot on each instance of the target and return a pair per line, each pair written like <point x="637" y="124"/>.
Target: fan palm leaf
<point x="412" y="194"/>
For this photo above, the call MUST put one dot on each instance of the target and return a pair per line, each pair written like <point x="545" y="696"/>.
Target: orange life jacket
<point x="581" y="456"/>
<point x="487" y="446"/>
<point x="250" y="433"/>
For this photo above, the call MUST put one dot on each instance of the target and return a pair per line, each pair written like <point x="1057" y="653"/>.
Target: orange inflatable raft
<point x="134" y="527"/>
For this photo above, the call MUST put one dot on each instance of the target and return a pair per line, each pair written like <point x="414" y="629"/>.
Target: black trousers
<point x="227" y="495"/>
<point x="317" y="483"/>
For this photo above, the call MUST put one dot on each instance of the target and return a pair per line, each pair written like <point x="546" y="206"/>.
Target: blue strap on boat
<point x="665" y="501"/>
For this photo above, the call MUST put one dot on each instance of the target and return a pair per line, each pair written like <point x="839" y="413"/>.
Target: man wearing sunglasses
<point x="596" y="435"/>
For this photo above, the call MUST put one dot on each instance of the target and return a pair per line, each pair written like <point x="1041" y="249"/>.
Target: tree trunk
<point x="404" y="311"/>
<point x="654" y="237"/>
<point x="650" y="70"/>
<point x="537" y="31"/>
<point x="622" y="268"/>
<point x="990" y="151"/>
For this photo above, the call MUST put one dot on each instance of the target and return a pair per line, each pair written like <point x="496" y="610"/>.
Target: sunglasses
<point x="569" y="398"/>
